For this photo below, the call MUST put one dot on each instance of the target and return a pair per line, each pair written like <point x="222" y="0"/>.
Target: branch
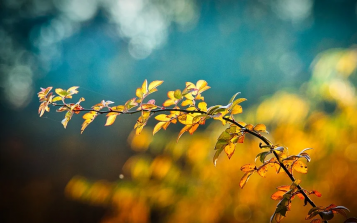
<point x="257" y="135"/>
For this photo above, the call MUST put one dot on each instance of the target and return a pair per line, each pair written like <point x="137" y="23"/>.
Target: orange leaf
<point x="245" y="178"/>
<point x="262" y="171"/>
<point x="284" y="188"/>
<point x="300" y="167"/>
<point x="318" y="194"/>
<point x="249" y="127"/>
<point x="278" y="195"/>
<point x="229" y="149"/>
<point x="183" y="130"/>
<point x="247" y="167"/>
<point x="193" y="128"/>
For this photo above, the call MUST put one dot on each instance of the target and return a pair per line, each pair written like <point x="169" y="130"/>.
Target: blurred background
<point x="295" y="61"/>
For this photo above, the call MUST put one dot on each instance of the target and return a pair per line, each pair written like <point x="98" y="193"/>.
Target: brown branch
<point x="259" y="136"/>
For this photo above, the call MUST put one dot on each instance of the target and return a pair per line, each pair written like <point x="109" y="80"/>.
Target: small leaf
<point x="177" y="94"/>
<point x="111" y="118"/>
<point x="318" y="194"/>
<point x="162" y="118"/>
<point x="278" y="195"/>
<point x="183" y="130"/>
<point x="260" y="128"/>
<point x="234" y="96"/>
<point x="245" y="178"/>
<point x="249" y="127"/>
<point x="300" y="167"/>
<point x="216" y="155"/>
<point x="158" y="126"/>
<point x="247" y="167"/>
<point x="144" y="87"/>
<point x="262" y="170"/>
<point x="202" y="106"/>
<point x="229" y="149"/>
<point x="262" y="156"/>
<point x="155" y="84"/>
<point x="237" y="109"/>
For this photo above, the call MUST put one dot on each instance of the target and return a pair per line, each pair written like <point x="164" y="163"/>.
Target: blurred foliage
<point x="177" y="182"/>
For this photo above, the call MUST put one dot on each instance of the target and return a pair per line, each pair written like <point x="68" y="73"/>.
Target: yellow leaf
<point x="154" y="84"/>
<point x="111" y="118"/>
<point x="245" y="178"/>
<point x="300" y="167"/>
<point x="260" y="128"/>
<point x="237" y="109"/>
<point x="202" y="106"/>
<point x="118" y="108"/>
<point x="247" y="167"/>
<point x="89" y="117"/>
<point x="187" y="102"/>
<point x="229" y="149"/>
<point x="201" y="84"/>
<point x="139" y="93"/>
<point x="168" y="103"/>
<point x="144" y="87"/>
<point x="249" y="127"/>
<point x="162" y="118"/>
<point x="158" y="126"/>
<point x="148" y="106"/>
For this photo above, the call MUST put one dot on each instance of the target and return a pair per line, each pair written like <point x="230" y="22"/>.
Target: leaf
<point x="247" y="167"/>
<point x="316" y="221"/>
<point x="155" y="84"/>
<point x="148" y="106"/>
<point x="262" y="171"/>
<point x="67" y="118"/>
<point x="249" y="127"/>
<point x="141" y="122"/>
<point x="229" y="149"/>
<point x="157" y="127"/>
<point x="262" y="156"/>
<point x="300" y="167"/>
<point x="177" y="94"/>
<point x="216" y="155"/>
<point x="111" y="118"/>
<point x="202" y="106"/>
<point x="238" y="101"/>
<point x="57" y="98"/>
<point x="278" y="195"/>
<point x="183" y="130"/>
<point x="139" y="93"/>
<point x="233" y="97"/>
<point x="260" y="128"/>
<point x="187" y="102"/>
<point x="193" y="128"/>
<point x="237" y="109"/>
<point x="43" y="93"/>
<point x="318" y="194"/>
<point x="144" y="87"/>
<point x="245" y="178"/>
<point x="284" y="188"/>
<point x="88" y="118"/>
<point x="162" y="118"/>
